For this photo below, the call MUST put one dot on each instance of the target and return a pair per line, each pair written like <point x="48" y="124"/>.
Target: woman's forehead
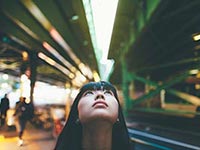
<point x="97" y="86"/>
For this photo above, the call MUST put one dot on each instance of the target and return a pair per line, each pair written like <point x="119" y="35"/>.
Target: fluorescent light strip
<point x="86" y="70"/>
<point x="57" y="55"/>
<point x="67" y="64"/>
<point x="35" y="11"/>
<point x="59" y="39"/>
<point x="58" y="66"/>
<point x="196" y="37"/>
<point x="22" y="26"/>
<point x="19" y="41"/>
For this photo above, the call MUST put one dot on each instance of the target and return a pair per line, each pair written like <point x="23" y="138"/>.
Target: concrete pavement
<point x="34" y="139"/>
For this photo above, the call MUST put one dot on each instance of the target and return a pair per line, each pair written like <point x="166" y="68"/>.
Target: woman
<point x="95" y="121"/>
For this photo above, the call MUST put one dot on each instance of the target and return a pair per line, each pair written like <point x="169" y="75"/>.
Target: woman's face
<point x="98" y="105"/>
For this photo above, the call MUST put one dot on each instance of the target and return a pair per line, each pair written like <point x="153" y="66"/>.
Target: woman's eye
<point x="88" y="93"/>
<point x="108" y="92"/>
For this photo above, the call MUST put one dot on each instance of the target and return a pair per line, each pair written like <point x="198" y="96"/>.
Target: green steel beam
<point x="185" y="96"/>
<point x="171" y="64"/>
<point x="141" y="19"/>
<point x="125" y="82"/>
<point x="133" y="76"/>
<point x="151" y="6"/>
<point x="159" y="88"/>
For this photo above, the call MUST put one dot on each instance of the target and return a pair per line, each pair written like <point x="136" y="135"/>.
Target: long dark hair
<point x="71" y="135"/>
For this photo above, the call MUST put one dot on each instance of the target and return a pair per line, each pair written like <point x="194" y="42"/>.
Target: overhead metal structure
<point x="153" y="40"/>
<point x="56" y="32"/>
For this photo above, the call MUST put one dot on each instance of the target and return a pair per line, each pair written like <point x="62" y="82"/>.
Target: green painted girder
<point x="141" y="19"/>
<point x="127" y="100"/>
<point x="165" y="85"/>
<point x="185" y="96"/>
<point x="171" y="64"/>
<point x="133" y="76"/>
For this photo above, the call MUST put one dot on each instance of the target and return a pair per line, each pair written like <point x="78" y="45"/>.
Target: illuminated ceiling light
<point x="81" y="65"/>
<point x="59" y="39"/>
<point x="22" y="26"/>
<point x="19" y="41"/>
<point x="196" y="37"/>
<point x="75" y="17"/>
<point x="194" y="71"/>
<point x="89" y="73"/>
<point x="5" y="76"/>
<point x="96" y="76"/>
<point x="47" y="59"/>
<point x="57" y="55"/>
<point x="85" y="42"/>
<point x="73" y="69"/>
<point x="58" y="66"/>
<point x="80" y="77"/>
<point x="25" y="56"/>
<point x="86" y="70"/>
<point x="67" y="85"/>
<point x="35" y="11"/>
<point x="71" y="75"/>
<point x="76" y="81"/>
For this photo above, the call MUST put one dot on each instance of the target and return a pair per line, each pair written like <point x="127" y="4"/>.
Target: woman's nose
<point x="99" y="95"/>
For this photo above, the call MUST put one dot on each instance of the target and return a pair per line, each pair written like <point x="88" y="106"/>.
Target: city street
<point x="34" y="139"/>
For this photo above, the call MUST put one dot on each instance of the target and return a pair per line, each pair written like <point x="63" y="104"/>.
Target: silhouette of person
<point x="4" y="106"/>
<point x="23" y="113"/>
<point x="95" y="121"/>
<point x="197" y="116"/>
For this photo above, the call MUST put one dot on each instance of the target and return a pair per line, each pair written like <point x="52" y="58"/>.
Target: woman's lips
<point x="100" y="103"/>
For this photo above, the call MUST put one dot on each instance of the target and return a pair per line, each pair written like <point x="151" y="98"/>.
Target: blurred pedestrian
<point x="95" y="121"/>
<point x="23" y="112"/>
<point x="4" y="106"/>
<point x="197" y="115"/>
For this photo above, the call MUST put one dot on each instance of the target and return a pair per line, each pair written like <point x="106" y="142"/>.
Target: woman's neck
<point x="97" y="137"/>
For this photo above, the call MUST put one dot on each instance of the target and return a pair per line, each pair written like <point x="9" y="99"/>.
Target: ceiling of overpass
<point x="56" y="31"/>
<point x="166" y="47"/>
<point x="154" y="38"/>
